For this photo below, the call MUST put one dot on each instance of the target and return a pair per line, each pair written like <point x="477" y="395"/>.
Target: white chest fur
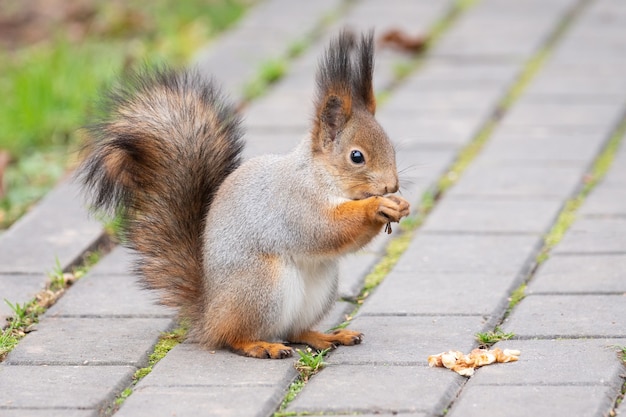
<point x="308" y="290"/>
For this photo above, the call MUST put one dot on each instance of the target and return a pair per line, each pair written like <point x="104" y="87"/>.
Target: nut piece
<point x="465" y="364"/>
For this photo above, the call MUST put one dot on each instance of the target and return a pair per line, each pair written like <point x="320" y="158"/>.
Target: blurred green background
<point x="57" y="55"/>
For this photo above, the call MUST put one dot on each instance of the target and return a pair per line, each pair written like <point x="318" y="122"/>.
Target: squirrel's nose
<point x="392" y="188"/>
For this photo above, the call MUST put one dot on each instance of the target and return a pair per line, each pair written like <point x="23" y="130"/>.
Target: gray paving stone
<point x="202" y="401"/>
<point x="58" y="228"/>
<point x="569" y="316"/>
<point x="415" y="100"/>
<point x="391" y="413"/>
<point x="85" y="387"/>
<point x="259" y="142"/>
<point x="468" y="253"/>
<point x="518" y="179"/>
<point x="415" y="17"/>
<point x="575" y="86"/>
<point x="118" y="262"/>
<point x="546" y="148"/>
<point x="446" y="75"/>
<point x="549" y="362"/>
<point x="83" y="341"/>
<point x="109" y="296"/>
<point x="49" y="412"/>
<point x="569" y="114"/>
<point x="17" y="288"/>
<point x="493" y="216"/>
<point x="190" y="365"/>
<point x="234" y="60"/>
<point x="282" y="109"/>
<point x="605" y="200"/>
<point x="430" y="132"/>
<point x="419" y="169"/>
<point x="566" y="274"/>
<point x="352" y="272"/>
<point x="339" y="313"/>
<point x="407" y="340"/>
<point x="595" y="235"/>
<point x="378" y="388"/>
<point x="530" y="401"/>
<point x="461" y="293"/>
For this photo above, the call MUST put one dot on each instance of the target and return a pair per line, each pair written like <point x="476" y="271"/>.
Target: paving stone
<point x="58" y="228"/>
<point x="48" y="412"/>
<point x="378" y="388"/>
<point x="82" y="341"/>
<point x="202" y="401"/>
<point x="407" y="340"/>
<point x="234" y="60"/>
<point x="260" y="142"/>
<point x="583" y="87"/>
<point x="476" y="72"/>
<point x="352" y="272"/>
<point x="519" y="179"/>
<point x="570" y="114"/>
<point x="530" y="401"/>
<point x="339" y="313"/>
<point x="412" y="16"/>
<point x="85" y="387"/>
<point x="419" y="132"/>
<point x="461" y="293"/>
<point x="419" y="169"/>
<point x="595" y="235"/>
<point x="118" y="262"/>
<point x="546" y="148"/>
<point x="566" y="274"/>
<point x="18" y="288"/>
<point x="391" y="413"/>
<point x="605" y="200"/>
<point x="493" y="216"/>
<point x="282" y="109"/>
<point x="190" y="365"/>
<point x="485" y="254"/>
<point x="109" y="296"/>
<point x="422" y="97"/>
<point x="549" y="362"/>
<point x="564" y="316"/>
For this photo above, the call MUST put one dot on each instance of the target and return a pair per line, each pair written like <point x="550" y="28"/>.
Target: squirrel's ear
<point x="333" y="115"/>
<point x="333" y="105"/>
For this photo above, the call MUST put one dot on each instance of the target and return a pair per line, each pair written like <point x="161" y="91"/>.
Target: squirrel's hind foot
<point x="321" y="341"/>
<point x="262" y="350"/>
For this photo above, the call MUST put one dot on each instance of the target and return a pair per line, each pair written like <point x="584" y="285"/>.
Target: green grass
<point x="28" y="180"/>
<point x="167" y="342"/>
<point x="26" y="315"/>
<point x="269" y="72"/>
<point x="488" y="339"/>
<point x="309" y="364"/>
<point x="567" y="216"/>
<point x="49" y="89"/>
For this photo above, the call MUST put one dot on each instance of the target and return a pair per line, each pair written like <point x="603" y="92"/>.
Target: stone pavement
<point x="541" y="82"/>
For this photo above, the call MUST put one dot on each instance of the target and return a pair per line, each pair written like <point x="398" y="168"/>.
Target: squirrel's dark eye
<point x="357" y="157"/>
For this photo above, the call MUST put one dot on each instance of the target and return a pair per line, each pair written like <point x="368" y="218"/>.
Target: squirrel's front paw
<point x="392" y="208"/>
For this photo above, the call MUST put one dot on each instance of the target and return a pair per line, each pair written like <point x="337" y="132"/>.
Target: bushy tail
<point x="165" y="143"/>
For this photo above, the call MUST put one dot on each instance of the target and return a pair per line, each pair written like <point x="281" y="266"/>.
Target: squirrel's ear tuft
<point x="333" y="105"/>
<point x="363" y="78"/>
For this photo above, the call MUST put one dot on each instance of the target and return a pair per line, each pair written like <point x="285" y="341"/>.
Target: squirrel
<point x="247" y="251"/>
